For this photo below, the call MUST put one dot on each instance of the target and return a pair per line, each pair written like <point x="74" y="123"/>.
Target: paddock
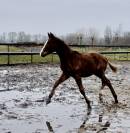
<point x="23" y="86"/>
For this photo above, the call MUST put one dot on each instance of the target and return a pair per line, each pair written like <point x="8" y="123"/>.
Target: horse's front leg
<point x="62" y="78"/>
<point x="81" y="88"/>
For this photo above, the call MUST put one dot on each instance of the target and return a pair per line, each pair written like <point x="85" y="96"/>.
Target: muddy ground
<point x="20" y="112"/>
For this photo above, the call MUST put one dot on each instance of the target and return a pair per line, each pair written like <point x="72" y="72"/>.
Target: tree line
<point x="14" y="37"/>
<point x="81" y="37"/>
<point x="91" y="37"/>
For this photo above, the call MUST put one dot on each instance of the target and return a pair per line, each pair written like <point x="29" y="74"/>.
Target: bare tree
<point x="3" y="38"/>
<point x="108" y="35"/>
<point x="71" y="38"/>
<point x="12" y="36"/>
<point x="21" y="37"/>
<point x="126" y="38"/>
<point x="81" y="36"/>
<point x="93" y="36"/>
<point x="117" y="35"/>
<point x="27" y="38"/>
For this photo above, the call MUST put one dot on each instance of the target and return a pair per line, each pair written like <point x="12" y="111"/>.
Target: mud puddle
<point x="67" y="113"/>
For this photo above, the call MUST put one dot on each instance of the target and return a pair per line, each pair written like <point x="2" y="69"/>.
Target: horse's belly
<point x="86" y="74"/>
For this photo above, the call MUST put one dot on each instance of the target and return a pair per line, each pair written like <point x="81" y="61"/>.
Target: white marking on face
<point x="43" y="48"/>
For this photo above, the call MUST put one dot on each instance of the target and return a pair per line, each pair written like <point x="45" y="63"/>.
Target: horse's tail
<point x="113" y="68"/>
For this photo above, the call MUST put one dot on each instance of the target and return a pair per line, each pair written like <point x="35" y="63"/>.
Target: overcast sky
<point x="63" y="16"/>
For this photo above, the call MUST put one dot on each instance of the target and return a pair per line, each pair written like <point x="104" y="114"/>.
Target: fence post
<point x="31" y="56"/>
<point x="114" y="56"/>
<point x="8" y="55"/>
<point x="52" y="58"/>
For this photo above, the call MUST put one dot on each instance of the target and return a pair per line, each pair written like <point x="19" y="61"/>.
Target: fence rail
<point x="37" y="53"/>
<point x="115" y="52"/>
<point x="27" y="44"/>
<point x="19" y="53"/>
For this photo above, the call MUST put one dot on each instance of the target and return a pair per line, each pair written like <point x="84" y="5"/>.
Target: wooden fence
<point x="122" y="55"/>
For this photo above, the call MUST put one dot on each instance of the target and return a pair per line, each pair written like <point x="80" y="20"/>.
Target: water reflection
<point x="50" y="129"/>
<point x="98" y="126"/>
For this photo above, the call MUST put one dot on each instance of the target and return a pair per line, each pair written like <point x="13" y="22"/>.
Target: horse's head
<point x="50" y="45"/>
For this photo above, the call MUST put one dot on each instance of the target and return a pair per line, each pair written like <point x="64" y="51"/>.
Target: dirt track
<point x="67" y="113"/>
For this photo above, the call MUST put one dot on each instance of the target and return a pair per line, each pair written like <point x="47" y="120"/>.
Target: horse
<point x="77" y="65"/>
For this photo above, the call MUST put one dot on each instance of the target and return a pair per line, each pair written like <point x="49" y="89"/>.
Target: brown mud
<point x="22" y="87"/>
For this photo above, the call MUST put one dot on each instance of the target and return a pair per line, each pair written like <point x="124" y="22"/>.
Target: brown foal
<point x="77" y="65"/>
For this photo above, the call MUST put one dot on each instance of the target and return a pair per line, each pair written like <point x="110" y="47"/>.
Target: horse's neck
<point x="64" y="53"/>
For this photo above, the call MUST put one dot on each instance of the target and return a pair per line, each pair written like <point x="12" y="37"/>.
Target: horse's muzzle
<point x="43" y="54"/>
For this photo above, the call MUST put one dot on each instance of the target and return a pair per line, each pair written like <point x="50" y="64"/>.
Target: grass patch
<point x="48" y="59"/>
<point x="3" y="59"/>
<point x="4" y="48"/>
<point x="99" y="49"/>
<point x="22" y="59"/>
<point x="19" y="59"/>
<point x="120" y="57"/>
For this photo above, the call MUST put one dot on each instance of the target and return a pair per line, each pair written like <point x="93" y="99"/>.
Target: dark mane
<point x="63" y="49"/>
<point x="62" y="43"/>
<point x="58" y="39"/>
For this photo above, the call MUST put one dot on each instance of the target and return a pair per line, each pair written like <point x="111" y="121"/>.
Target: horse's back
<point x="84" y="64"/>
<point x="98" y="61"/>
<point x="96" y="57"/>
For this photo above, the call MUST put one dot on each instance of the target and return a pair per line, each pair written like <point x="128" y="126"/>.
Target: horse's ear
<point x="48" y="34"/>
<point x="51" y="35"/>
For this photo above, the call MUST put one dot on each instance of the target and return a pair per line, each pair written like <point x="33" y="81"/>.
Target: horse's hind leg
<point x="62" y="78"/>
<point x="81" y="88"/>
<point x="101" y="94"/>
<point x="108" y="83"/>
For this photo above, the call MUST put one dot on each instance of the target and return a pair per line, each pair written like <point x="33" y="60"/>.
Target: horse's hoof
<point x="48" y="101"/>
<point x="101" y="98"/>
<point x="116" y="101"/>
<point x="89" y="110"/>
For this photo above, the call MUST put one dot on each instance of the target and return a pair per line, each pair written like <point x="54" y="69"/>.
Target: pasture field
<point x="23" y="59"/>
<point x="19" y="59"/>
<point x="23" y="86"/>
